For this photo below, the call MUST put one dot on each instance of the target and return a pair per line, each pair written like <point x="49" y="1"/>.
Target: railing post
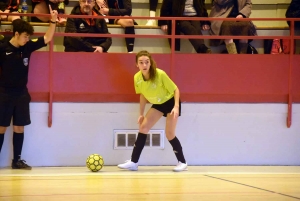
<point x="172" y="47"/>
<point x="50" y="83"/>
<point x="291" y="56"/>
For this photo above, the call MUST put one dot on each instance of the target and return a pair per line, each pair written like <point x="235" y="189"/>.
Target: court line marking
<point x="262" y="189"/>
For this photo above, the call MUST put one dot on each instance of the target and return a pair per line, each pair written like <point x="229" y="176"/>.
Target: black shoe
<point x="20" y="164"/>
<point x="204" y="49"/>
<point x="208" y="51"/>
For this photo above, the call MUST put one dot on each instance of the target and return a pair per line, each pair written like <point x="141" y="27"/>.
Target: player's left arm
<point x="171" y="87"/>
<point x="176" y="97"/>
<point x="50" y="32"/>
<point x="175" y="110"/>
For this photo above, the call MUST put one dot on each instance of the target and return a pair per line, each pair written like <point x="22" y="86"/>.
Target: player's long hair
<point x="153" y="66"/>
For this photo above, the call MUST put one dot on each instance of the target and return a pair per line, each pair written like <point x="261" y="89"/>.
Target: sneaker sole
<point x="127" y="169"/>
<point x="15" y="168"/>
<point x="186" y="169"/>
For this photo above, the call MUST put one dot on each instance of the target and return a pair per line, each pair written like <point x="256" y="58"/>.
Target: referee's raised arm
<point x="50" y="32"/>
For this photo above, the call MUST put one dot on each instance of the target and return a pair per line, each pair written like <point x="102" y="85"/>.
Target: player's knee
<point x="144" y="128"/>
<point x="127" y="22"/>
<point x="19" y="129"/>
<point x="170" y="135"/>
<point x="2" y="129"/>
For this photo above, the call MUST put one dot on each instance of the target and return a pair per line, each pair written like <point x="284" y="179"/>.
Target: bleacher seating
<point x="155" y="45"/>
<point x="261" y="8"/>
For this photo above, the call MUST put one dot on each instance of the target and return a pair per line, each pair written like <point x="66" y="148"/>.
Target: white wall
<point x="211" y="134"/>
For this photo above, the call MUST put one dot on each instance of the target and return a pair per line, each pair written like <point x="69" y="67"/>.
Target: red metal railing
<point x="172" y="36"/>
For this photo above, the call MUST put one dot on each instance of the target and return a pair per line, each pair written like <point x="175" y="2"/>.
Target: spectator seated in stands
<point x="42" y="7"/>
<point x="119" y="8"/>
<point x="81" y="25"/>
<point x="186" y="8"/>
<point x="9" y="6"/>
<point x="293" y="11"/>
<point x="232" y="9"/>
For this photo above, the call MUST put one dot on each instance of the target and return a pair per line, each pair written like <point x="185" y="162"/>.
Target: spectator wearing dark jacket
<point x="91" y="26"/>
<point x="119" y="8"/>
<point x="293" y="11"/>
<point x="186" y="8"/>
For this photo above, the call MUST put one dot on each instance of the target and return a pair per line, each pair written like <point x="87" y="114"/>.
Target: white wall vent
<point x="124" y="139"/>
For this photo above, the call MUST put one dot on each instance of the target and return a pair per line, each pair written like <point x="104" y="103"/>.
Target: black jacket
<point x="175" y="8"/>
<point x="80" y="25"/>
<point x="119" y="7"/>
<point x="293" y="11"/>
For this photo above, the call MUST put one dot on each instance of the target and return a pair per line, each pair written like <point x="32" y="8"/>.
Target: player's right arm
<point x="50" y="31"/>
<point x="143" y="102"/>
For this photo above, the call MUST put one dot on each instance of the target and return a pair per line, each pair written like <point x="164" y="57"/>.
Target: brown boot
<point x="231" y="48"/>
<point x="243" y="48"/>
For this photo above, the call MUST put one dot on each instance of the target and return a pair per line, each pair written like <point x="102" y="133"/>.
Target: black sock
<point x="138" y="147"/>
<point x="129" y="41"/>
<point x="177" y="149"/>
<point x="18" y="139"/>
<point x="1" y="140"/>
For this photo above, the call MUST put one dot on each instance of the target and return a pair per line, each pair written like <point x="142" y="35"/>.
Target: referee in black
<point x="14" y="97"/>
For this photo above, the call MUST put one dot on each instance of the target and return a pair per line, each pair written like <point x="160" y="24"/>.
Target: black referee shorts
<point x="167" y="107"/>
<point x="16" y="107"/>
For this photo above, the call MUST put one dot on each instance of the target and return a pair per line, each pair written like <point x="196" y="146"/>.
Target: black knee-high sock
<point x="1" y="140"/>
<point x="18" y="139"/>
<point x="177" y="149"/>
<point x="129" y="41"/>
<point x="138" y="147"/>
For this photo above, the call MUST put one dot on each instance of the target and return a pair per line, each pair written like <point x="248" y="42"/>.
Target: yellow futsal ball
<point x="94" y="162"/>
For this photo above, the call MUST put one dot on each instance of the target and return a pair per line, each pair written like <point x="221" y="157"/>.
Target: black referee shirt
<point x="14" y="64"/>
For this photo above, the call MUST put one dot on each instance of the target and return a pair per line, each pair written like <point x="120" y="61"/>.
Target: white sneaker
<point x="129" y="165"/>
<point x="180" y="167"/>
<point x="150" y="23"/>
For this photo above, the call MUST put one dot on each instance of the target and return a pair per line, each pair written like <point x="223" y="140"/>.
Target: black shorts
<point x="167" y="107"/>
<point x="16" y="107"/>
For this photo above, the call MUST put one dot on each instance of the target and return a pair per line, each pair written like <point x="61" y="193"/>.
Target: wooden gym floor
<point x="203" y="183"/>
